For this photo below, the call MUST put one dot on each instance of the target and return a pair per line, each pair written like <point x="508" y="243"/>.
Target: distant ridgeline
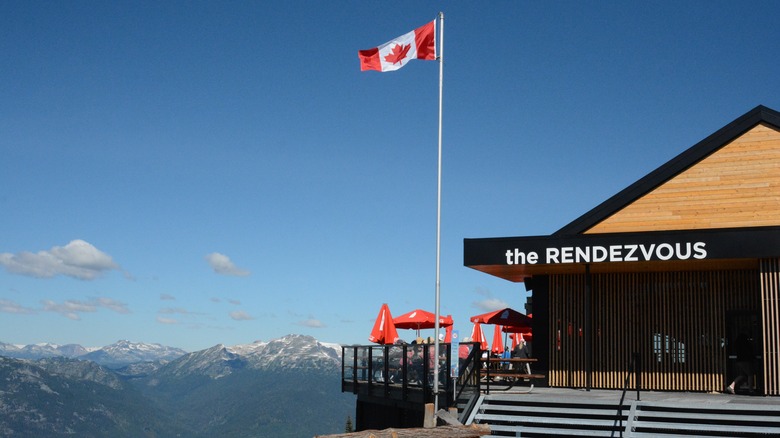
<point x="261" y="389"/>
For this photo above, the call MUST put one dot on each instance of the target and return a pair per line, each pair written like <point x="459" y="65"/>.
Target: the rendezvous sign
<point x="763" y="242"/>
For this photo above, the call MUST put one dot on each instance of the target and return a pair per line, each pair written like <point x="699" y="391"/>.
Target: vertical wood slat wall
<point x="770" y="313"/>
<point x="674" y="320"/>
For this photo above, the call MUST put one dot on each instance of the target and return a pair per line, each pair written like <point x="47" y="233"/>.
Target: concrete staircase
<point x="524" y="416"/>
<point x="652" y="419"/>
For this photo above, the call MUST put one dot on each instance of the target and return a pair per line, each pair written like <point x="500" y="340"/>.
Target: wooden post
<point x="430" y="418"/>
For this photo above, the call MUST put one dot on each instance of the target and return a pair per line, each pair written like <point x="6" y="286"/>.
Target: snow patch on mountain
<point x="289" y="353"/>
<point x="248" y="349"/>
<point x="123" y="353"/>
<point x="215" y="362"/>
<point x="298" y="352"/>
<point x="41" y="350"/>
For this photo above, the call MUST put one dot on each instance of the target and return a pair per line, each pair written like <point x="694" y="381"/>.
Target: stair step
<point x="656" y="426"/>
<point x="536" y="431"/>
<point x="527" y="410"/>
<point x="702" y="417"/>
<point x="514" y="399"/>
<point x="487" y="418"/>
<point x="724" y="408"/>
<point x="654" y="435"/>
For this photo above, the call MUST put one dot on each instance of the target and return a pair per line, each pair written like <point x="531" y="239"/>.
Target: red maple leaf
<point x="398" y="54"/>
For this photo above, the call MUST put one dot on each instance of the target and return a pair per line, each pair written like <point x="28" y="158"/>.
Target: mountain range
<point x="288" y="387"/>
<point x="116" y="355"/>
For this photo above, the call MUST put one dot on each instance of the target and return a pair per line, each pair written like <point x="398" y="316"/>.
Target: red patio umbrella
<point x="478" y="335"/>
<point x="516" y="329"/>
<point x="503" y="317"/>
<point x="515" y="337"/>
<point x="498" y="341"/>
<point x="448" y="334"/>
<point x="420" y="319"/>
<point x="384" y="331"/>
<point x="518" y="332"/>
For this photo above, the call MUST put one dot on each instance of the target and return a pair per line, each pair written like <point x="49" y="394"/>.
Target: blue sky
<point x="195" y="173"/>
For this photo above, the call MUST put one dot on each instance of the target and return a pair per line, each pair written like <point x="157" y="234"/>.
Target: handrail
<point x="633" y="366"/>
<point x="376" y="365"/>
<point x="473" y="357"/>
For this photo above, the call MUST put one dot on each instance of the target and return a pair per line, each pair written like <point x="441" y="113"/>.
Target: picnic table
<point x="518" y="369"/>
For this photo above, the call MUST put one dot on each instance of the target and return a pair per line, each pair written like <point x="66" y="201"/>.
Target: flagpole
<point x="438" y="220"/>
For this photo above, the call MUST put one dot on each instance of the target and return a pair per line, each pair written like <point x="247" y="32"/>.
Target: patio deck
<point x="613" y="396"/>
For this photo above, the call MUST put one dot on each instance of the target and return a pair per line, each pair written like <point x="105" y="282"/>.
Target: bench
<point x="510" y="374"/>
<point x="520" y="371"/>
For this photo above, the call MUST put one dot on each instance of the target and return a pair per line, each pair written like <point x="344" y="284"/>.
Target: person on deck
<point x="463" y="351"/>
<point x="506" y="355"/>
<point x="395" y="356"/>
<point x="522" y="351"/>
<point x="744" y="350"/>
<point x="417" y="365"/>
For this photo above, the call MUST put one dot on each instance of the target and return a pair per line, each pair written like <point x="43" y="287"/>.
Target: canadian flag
<point x="392" y="55"/>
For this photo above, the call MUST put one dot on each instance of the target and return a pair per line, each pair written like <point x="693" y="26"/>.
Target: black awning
<point x="514" y="258"/>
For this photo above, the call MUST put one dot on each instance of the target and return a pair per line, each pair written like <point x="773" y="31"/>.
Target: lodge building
<point x="664" y="275"/>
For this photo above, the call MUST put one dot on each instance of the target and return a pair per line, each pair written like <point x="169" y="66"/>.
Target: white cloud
<point x="312" y="323"/>
<point x="77" y="259"/>
<point x="490" y="304"/>
<point x="8" y="306"/>
<point x="176" y="310"/>
<point x="221" y="264"/>
<point x="163" y="320"/>
<point x="240" y="315"/>
<point x="108" y="303"/>
<point x="72" y="309"/>
<point x="69" y="309"/>
<point x="167" y="297"/>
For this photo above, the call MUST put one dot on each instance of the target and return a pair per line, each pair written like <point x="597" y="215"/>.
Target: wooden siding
<point x="770" y="312"/>
<point x="674" y="320"/>
<point x="736" y="186"/>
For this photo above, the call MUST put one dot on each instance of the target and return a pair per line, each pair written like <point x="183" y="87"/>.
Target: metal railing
<point x="396" y="371"/>
<point x="633" y="366"/>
